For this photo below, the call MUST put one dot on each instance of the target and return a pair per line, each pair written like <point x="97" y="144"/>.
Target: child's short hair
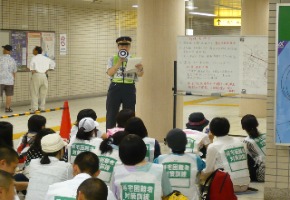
<point x="36" y="123"/>
<point x="219" y="126"/>
<point x="8" y="154"/>
<point x="86" y="113"/>
<point x="93" y="188"/>
<point x="132" y="150"/>
<point x="123" y="116"/>
<point x="176" y="140"/>
<point x="87" y="162"/>
<point x="136" y="126"/>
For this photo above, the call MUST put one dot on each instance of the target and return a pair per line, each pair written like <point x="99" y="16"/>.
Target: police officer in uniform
<point x="122" y="88"/>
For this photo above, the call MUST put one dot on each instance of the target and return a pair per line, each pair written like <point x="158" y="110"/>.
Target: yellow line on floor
<point x="187" y="103"/>
<point x="230" y="105"/>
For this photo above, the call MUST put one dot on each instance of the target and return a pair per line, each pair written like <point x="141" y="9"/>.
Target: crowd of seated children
<point x="109" y="155"/>
<point x="49" y="169"/>
<point x="84" y="140"/>
<point x="123" y="159"/>
<point x="85" y="166"/>
<point x="147" y="179"/>
<point x="183" y="163"/>
<point x="121" y="119"/>
<point x="197" y="140"/>
<point x="256" y="148"/>
<point x="228" y="153"/>
<point x="82" y="114"/>
<point x="136" y="126"/>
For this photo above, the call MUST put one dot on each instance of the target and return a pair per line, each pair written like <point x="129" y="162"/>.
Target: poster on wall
<point x="282" y="81"/>
<point x="48" y="44"/>
<point x="33" y="39"/>
<point x="19" y="44"/>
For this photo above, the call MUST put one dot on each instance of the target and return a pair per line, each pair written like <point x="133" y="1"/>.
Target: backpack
<point x="219" y="187"/>
<point x="175" y="195"/>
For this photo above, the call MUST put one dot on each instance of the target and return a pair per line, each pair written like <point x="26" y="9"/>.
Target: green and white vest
<point x="76" y="146"/>
<point x="135" y="183"/>
<point x="182" y="172"/>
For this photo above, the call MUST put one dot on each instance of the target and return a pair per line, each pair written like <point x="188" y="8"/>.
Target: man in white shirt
<point x="8" y="70"/>
<point x="39" y="66"/>
<point x="86" y="165"/>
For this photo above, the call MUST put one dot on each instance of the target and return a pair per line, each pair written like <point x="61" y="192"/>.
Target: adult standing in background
<point x="39" y="66"/>
<point x="8" y="70"/>
<point x="122" y="88"/>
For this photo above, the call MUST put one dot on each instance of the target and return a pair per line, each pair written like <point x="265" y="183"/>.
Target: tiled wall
<point x="277" y="185"/>
<point x="91" y="34"/>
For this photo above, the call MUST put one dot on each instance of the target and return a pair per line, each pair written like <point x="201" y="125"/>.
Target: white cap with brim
<point x="52" y="143"/>
<point x="88" y="124"/>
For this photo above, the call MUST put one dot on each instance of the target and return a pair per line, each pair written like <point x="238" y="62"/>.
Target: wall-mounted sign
<point x="218" y="21"/>
<point x="62" y="44"/>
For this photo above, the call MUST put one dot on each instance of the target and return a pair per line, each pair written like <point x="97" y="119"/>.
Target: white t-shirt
<point x="228" y="153"/>
<point x="43" y="175"/>
<point x="41" y="64"/>
<point x="68" y="189"/>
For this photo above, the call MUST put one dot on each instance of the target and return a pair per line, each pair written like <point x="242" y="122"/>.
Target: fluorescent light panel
<point x="191" y="7"/>
<point x="203" y="14"/>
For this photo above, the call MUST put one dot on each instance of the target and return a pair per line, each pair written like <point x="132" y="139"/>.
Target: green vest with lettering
<point x="129" y="78"/>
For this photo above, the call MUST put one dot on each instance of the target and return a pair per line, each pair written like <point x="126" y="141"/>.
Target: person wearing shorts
<point x="8" y="70"/>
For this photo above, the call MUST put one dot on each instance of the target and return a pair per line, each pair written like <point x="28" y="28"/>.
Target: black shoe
<point x="8" y="110"/>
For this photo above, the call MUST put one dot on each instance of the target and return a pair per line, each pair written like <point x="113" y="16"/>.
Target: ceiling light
<point x="135" y="6"/>
<point x="203" y="14"/>
<point x="191" y="7"/>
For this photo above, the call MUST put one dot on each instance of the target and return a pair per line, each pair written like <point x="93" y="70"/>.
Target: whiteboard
<point x="223" y="64"/>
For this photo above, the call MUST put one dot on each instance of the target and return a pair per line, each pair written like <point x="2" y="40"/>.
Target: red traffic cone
<point x="65" y="126"/>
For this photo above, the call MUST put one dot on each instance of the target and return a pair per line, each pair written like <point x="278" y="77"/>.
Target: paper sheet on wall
<point x="131" y="63"/>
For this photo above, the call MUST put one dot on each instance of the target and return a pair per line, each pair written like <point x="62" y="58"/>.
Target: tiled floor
<point x="225" y="107"/>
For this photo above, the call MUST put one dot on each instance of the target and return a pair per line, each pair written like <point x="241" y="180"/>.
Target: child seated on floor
<point x="49" y="169"/>
<point x="109" y="155"/>
<point x="84" y="140"/>
<point x="6" y="134"/>
<point x="121" y="119"/>
<point x="178" y="162"/>
<point x="138" y="173"/>
<point x="82" y="114"/>
<point x="35" y="124"/>
<point x="136" y="126"/>
<point x="256" y="148"/>
<point x="228" y="153"/>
